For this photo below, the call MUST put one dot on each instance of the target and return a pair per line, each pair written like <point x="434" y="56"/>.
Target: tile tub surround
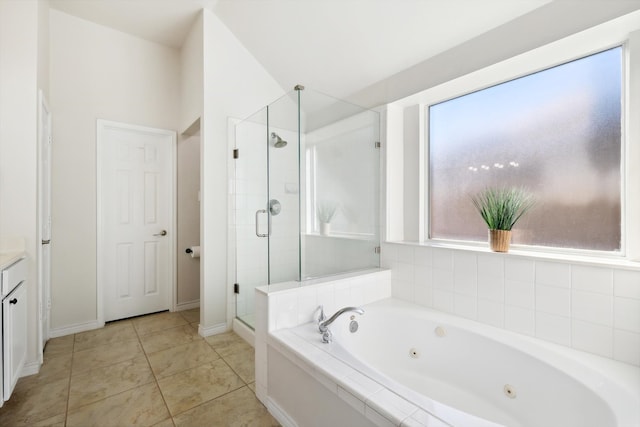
<point x="587" y="307"/>
<point x="287" y="305"/>
<point x="150" y="370"/>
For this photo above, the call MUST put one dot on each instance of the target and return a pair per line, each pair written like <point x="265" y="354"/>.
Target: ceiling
<point x="334" y="46"/>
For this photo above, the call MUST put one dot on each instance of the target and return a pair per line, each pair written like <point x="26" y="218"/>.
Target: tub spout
<point x="323" y="325"/>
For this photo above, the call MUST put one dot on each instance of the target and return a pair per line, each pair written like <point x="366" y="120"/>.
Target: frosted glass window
<point x="556" y="132"/>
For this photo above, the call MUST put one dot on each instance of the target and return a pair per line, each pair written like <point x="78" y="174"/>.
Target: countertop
<point x="8" y="258"/>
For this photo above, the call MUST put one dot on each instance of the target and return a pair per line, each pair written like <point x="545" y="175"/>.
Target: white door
<point x="136" y="181"/>
<point x="44" y="220"/>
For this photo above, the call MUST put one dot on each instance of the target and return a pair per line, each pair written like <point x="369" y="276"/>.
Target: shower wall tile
<point x="423" y="295"/>
<point x="520" y="294"/>
<point x="521" y="270"/>
<point x="307" y="304"/>
<point x="519" y="320"/>
<point x="286" y="311"/>
<point x="592" y="307"/>
<point x="405" y="254"/>
<point x="553" y="274"/>
<point x="442" y="279"/>
<point x="343" y="295"/>
<point x="593" y="338"/>
<point x="423" y="256"/>
<point x="326" y="297"/>
<point x="465" y="306"/>
<point x="627" y="314"/>
<point x="443" y="300"/>
<point x="491" y="312"/>
<point x="465" y="273"/>
<point x="592" y="279"/>
<point x="552" y="300"/>
<point x="442" y="258"/>
<point x="491" y="288"/>
<point x="626" y="284"/>
<point x="490" y="265"/>
<point x="403" y="272"/>
<point x="288" y="308"/>
<point x="626" y="347"/>
<point x="553" y="328"/>
<point x="423" y="276"/>
<point x="403" y="290"/>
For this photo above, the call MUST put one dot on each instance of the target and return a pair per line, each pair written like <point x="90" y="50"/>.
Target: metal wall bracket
<point x="236" y="288"/>
<point x="236" y="153"/>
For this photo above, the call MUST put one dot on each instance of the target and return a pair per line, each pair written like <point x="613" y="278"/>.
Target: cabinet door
<point x="14" y="314"/>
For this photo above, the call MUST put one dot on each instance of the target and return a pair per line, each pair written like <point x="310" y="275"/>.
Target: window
<point x="556" y="132"/>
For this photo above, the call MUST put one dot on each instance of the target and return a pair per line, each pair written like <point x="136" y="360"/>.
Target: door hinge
<point x="377" y="144"/>
<point x="236" y="288"/>
<point x="236" y="153"/>
<point x="376" y="250"/>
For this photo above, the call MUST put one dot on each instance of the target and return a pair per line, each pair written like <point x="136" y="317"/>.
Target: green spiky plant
<point x="502" y="207"/>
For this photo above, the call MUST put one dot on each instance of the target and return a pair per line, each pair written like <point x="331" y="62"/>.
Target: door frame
<point x="44" y="286"/>
<point x="101" y="125"/>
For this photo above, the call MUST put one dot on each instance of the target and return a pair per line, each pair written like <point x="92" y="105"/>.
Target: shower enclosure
<point x="306" y="197"/>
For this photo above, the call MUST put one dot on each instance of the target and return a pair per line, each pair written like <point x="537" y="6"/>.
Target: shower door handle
<point x="258" y="212"/>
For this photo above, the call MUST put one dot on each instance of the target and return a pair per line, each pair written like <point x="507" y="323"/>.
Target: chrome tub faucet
<point x="323" y="322"/>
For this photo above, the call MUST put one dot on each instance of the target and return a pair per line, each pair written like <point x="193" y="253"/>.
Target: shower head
<point x="277" y="141"/>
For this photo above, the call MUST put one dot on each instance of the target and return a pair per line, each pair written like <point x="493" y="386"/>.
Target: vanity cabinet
<point x="14" y="325"/>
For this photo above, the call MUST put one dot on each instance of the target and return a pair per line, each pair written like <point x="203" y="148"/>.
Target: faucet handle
<point x="322" y="317"/>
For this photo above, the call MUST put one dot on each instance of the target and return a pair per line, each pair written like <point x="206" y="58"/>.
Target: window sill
<point x="532" y="253"/>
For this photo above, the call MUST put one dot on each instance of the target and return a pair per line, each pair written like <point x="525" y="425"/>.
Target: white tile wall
<point x="590" y="308"/>
<point x="299" y="305"/>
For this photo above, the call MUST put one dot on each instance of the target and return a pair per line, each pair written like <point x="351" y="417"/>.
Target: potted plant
<point x="500" y="209"/>
<point x="326" y="211"/>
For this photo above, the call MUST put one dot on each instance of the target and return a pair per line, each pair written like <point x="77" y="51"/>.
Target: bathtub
<point x="411" y="366"/>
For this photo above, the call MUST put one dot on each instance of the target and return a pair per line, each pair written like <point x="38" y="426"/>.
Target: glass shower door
<point x="266" y="202"/>
<point x="250" y="212"/>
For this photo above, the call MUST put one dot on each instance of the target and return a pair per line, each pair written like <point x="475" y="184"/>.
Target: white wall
<point x="95" y="72"/>
<point x="235" y="85"/>
<point x="23" y="54"/>
<point x="188" y="209"/>
<point x="192" y="77"/>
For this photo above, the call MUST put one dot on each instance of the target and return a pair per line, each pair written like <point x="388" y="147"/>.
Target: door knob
<point x="162" y="233"/>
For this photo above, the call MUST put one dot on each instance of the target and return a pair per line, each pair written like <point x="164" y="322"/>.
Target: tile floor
<point x="153" y="370"/>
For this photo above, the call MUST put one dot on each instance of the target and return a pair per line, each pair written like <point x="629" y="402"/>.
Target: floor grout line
<point x="66" y="412"/>
<point x="155" y="377"/>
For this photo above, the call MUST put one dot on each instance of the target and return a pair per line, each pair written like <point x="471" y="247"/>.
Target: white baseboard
<point x="74" y="329"/>
<point x="31" y="368"/>
<point x="220" y="328"/>
<point x="281" y="416"/>
<point x="245" y="332"/>
<point x="188" y="305"/>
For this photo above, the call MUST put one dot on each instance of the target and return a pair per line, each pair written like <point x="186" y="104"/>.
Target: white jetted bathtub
<point x="409" y="365"/>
